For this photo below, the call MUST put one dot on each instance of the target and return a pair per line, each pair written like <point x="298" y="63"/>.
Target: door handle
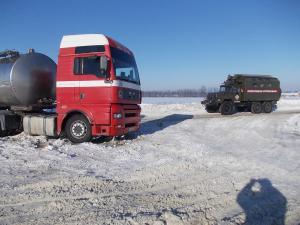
<point x="82" y="95"/>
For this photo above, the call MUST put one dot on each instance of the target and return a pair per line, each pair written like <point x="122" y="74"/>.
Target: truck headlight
<point x="117" y="115"/>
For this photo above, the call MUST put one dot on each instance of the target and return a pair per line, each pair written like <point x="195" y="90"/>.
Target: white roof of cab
<point x="70" y="41"/>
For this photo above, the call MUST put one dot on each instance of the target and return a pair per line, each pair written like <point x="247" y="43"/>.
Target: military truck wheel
<point x="78" y="129"/>
<point x="256" y="107"/>
<point x="227" y="108"/>
<point x="267" y="107"/>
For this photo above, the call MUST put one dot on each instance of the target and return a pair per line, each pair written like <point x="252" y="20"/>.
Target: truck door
<point x="92" y="86"/>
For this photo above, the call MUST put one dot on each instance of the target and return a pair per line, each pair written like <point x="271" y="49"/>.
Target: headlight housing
<point x="117" y="115"/>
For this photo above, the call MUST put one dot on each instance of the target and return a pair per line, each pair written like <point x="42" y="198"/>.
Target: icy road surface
<point x="184" y="166"/>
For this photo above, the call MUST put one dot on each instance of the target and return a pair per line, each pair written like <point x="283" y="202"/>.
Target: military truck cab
<point x="241" y="92"/>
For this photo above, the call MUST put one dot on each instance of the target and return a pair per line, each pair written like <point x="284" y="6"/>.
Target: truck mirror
<point x="103" y="66"/>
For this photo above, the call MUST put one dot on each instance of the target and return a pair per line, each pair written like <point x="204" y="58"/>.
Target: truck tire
<point x="227" y="108"/>
<point x="78" y="129"/>
<point x="256" y="107"/>
<point x="267" y="107"/>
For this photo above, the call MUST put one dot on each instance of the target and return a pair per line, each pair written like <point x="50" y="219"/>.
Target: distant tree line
<point x="201" y="92"/>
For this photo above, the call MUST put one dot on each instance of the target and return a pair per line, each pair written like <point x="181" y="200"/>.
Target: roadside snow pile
<point x="157" y="110"/>
<point x="162" y="106"/>
<point x="288" y="103"/>
<point x="292" y="126"/>
<point x="290" y="95"/>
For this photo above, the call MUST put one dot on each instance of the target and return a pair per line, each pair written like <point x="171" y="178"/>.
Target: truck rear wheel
<point x="256" y="107"/>
<point x="78" y="129"/>
<point x="227" y="108"/>
<point x="267" y="107"/>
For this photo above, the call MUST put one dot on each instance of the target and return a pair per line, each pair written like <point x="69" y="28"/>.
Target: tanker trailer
<point x="27" y="84"/>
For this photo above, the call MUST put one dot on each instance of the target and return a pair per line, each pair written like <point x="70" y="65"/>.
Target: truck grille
<point x="131" y="115"/>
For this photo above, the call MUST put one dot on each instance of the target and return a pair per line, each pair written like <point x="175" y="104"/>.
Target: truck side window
<point x="91" y="65"/>
<point x="87" y="66"/>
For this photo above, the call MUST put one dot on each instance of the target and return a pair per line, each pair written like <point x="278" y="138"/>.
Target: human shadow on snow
<point x="262" y="203"/>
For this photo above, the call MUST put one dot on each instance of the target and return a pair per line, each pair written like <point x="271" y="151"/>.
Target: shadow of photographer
<point x="262" y="203"/>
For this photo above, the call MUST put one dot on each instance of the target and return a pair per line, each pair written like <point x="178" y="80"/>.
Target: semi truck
<point x="243" y="92"/>
<point x="94" y="90"/>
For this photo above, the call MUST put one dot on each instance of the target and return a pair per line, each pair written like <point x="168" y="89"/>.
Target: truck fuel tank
<point x="40" y="124"/>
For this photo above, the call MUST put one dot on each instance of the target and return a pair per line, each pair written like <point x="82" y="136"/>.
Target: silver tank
<point x="27" y="80"/>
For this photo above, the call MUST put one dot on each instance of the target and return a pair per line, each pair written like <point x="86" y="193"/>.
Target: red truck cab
<point x="98" y="88"/>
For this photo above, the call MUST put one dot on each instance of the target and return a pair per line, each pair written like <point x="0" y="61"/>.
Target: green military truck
<point x="242" y="92"/>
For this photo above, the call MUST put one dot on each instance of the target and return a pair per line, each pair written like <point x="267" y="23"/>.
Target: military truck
<point x="243" y="92"/>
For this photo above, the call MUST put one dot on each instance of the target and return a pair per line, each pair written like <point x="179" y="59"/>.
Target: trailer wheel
<point x="78" y="129"/>
<point x="227" y="108"/>
<point x="256" y="107"/>
<point x="267" y="107"/>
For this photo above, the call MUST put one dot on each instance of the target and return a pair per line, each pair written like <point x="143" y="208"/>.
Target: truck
<point x="244" y="92"/>
<point x="94" y="90"/>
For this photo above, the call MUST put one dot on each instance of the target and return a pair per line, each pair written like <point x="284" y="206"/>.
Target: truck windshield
<point x="222" y="89"/>
<point x="124" y="66"/>
<point x="228" y="89"/>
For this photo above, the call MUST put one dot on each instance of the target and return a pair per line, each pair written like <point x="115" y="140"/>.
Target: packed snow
<point x="184" y="166"/>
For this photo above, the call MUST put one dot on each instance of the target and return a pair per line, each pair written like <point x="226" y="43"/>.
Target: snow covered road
<point x="183" y="167"/>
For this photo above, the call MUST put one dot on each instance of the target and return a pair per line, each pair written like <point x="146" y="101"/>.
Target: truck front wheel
<point x="78" y="129"/>
<point x="267" y="107"/>
<point x="227" y="108"/>
<point x="256" y="107"/>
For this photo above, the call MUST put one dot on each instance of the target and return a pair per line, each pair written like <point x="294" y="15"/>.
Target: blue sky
<point x="177" y="44"/>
